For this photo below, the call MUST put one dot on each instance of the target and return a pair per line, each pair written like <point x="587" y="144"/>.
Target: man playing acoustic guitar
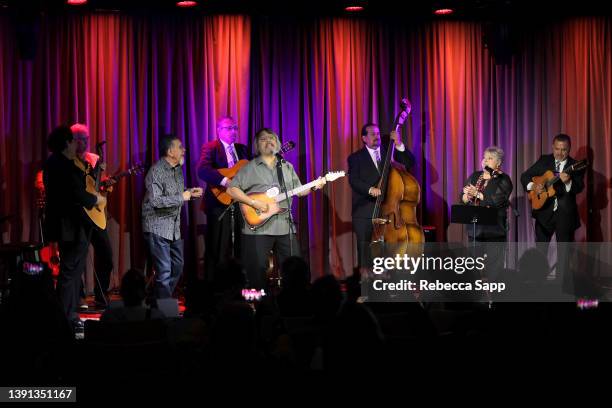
<point x="559" y="213"/>
<point x="216" y="156"/>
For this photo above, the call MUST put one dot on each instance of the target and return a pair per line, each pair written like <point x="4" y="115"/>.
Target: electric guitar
<point x="273" y="196"/>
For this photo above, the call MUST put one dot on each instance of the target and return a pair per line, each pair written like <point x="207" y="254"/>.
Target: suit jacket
<point x="496" y="195"/>
<point x="363" y="175"/>
<point x="566" y="199"/>
<point x="212" y="158"/>
<point x="66" y="194"/>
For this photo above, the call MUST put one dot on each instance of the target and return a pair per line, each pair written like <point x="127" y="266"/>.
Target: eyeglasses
<point x="229" y="127"/>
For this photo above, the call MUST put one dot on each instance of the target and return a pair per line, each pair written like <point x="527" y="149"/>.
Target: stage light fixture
<point x="186" y="3"/>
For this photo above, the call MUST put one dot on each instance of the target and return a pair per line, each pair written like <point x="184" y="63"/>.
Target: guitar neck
<point x="295" y="191"/>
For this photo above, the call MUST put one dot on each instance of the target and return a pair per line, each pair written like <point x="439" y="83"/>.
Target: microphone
<point x="279" y="157"/>
<point x="493" y="173"/>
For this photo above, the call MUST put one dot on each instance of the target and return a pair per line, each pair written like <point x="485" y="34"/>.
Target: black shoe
<point x="78" y="326"/>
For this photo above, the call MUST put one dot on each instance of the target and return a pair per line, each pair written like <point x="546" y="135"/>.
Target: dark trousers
<point x="72" y="265"/>
<point x="103" y="264"/>
<point x="363" y="232"/>
<point x="167" y="258"/>
<point x="255" y="251"/>
<point x="219" y="239"/>
<point x="562" y="227"/>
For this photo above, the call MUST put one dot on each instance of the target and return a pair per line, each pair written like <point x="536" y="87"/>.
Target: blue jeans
<point x="167" y="259"/>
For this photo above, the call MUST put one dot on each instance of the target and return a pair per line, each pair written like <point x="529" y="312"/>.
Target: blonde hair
<point x="497" y="152"/>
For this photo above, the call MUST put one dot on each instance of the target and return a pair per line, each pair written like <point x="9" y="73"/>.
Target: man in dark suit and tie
<point x="365" y="166"/>
<point x="223" y="152"/>
<point x="559" y="215"/>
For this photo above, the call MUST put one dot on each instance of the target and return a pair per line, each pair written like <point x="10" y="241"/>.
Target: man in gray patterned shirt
<point x="161" y="214"/>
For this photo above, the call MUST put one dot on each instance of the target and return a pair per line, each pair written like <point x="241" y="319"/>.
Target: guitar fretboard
<point x="295" y="191"/>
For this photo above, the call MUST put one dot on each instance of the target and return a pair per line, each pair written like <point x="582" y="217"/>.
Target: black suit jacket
<point x="363" y="175"/>
<point x="212" y="158"/>
<point x="66" y="195"/>
<point x="566" y="199"/>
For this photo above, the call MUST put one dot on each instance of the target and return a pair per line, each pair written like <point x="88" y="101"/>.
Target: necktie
<point x="557" y="170"/>
<point x="232" y="156"/>
<point x="377" y="155"/>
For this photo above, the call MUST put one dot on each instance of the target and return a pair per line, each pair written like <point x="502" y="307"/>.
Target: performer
<point x="103" y="252"/>
<point x="559" y="215"/>
<point x="365" y="167"/>
<point x="278" y="233"/>
<point x="223" y="152"/>
<point x="161" y="214"/>
<point x="65" y="221"/>
<point x="490" y="187"/>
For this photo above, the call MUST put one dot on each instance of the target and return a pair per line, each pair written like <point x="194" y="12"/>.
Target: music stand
<point x="473" y="214"/>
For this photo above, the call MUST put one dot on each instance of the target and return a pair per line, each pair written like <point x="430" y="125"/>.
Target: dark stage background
<point x="133" y="77"/>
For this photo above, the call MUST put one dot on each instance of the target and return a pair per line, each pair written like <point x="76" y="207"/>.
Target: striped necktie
<point x="232" y="156"/>
<point x="557" y="170"/>
<point x="377" y="155"/>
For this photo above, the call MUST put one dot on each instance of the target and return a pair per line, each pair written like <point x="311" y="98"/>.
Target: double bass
<point x="394" y="219"/>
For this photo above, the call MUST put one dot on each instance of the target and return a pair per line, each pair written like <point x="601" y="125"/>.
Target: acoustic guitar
<point x="273" y="196"/>
<point x="548" y="179"/>
<point x="94" y="185"/>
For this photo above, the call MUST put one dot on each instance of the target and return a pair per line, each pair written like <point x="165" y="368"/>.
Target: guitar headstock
<point x="334" y="175"/>
<point x="136" y="169"/>
<point x="287" y="146"/>
<point x="579" y="165"/>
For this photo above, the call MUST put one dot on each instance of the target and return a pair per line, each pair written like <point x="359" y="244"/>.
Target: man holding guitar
<point x="259" y="175"/>
<point x="103" y="252"/>
<point x="220" y="160"/>
<point x="559" y="214"/>
<point x="65" y="221"/>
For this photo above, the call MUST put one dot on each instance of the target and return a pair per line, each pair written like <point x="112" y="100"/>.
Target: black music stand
<point x="473" y="214"/>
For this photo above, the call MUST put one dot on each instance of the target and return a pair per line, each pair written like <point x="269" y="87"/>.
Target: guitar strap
<point x="283" y="185"/>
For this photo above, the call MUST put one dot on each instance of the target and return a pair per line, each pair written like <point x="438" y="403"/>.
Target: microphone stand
<point x="230" y="207"/>
<point x="281" y="179"/>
